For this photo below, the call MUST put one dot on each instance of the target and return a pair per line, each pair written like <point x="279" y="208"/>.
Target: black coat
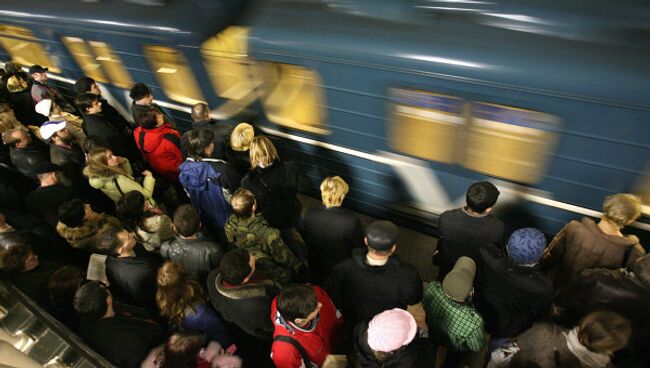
<point x="113" y="115"/>
<point x="23" y="105"/>
<point x="462" y="234"/>
<point x="71" y="161"/>
<point x="139" y="112"/>
<point x="111" y="133"/>
<point x="361" y="291"/>
<point x="508" y="296"/>
<point x="133" y="279"/>
<point x="45" y="202"/>
<point x="26" y="159"/>
<point x="199" y="256"/>
<point x="330" y="235"/>
<point x="275" y="189"/>
<point x="248" y="306"/>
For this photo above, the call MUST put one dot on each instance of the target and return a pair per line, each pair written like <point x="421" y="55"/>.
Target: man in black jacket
<point x="130" y="269"/>
<point x="50" y="195"/>
<point x="88" y="85"/>
<point x="143" y="104"/>
<point x="25" y="151"/>
<point x="123" y="340"/>
<point x="374" y="281"/>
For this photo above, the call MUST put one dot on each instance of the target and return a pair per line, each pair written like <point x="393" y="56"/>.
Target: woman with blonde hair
<point x="20" y="96"/>
<point x="587" y="244"/>
<point x="330" y="231"/>
<point x="113" y="175"/>
<point x="182" y="300"/>
<point x="240" y="141"/>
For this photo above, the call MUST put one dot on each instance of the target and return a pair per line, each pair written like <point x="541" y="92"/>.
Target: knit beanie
<point x="390" y="330"/>
<point x="526" y="246"/>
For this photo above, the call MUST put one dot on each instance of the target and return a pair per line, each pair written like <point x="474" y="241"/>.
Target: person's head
<point x="604" y="332"/>
<point x="130" y="209"/>
<point x="262" y="152"/>
<point x="200" y="112"/>
<point x="93" y="300"/>
<point x="641" y="269"/>
<point x="481" y="196"/>
<point x="200" y="143"/>
<point x="38" y="73"/>
<point x="333" y="190"/>
<point x="237" y="266"/>
<point x="116" y="241"/>
<point x="390" y="330"/>
<point x="87" y="85"/>
<point x="187" y="221"/>
<point x="16" y="84"/>
<point x="241" y="137"/>
<point x="88" y="103"/>
<point x="63" y="284"/>
<point x="56" y="132"/>
<point x="102" y="162"/>
<point x="141" y="94"/>
<point x="177" y="291"/>
<point x="298" y="305"/>
<point x="46" y="172"/>
<point x="622" y="209"/>
<point x="18" y="138"/>
<point x="457" y="284"/>
<point x="91" y="143"/>
<point x="381" y="238"/>
<point x="72" y="213"/>
<point x="243" y="203"/>
<point x="181" y="350"/>
<point x="526" y="246"/>
<point x="13" y="67"/>
<point x="152" y="119"/>
<point x="16" y="253"/>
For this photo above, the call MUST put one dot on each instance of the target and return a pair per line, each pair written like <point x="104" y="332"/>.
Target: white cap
<point x="50" y="127"/>
<point x="44" y="107"/>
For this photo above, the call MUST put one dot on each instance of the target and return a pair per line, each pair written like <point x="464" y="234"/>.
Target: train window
<point x="424" y="124"/>
<point x="643" y="190"/>
<point x="173" y="74"/>
<point x="293" y="96"/>
<point x="84" y="58"/>
<point x="509" y="142"/>
<point x="23" y="47"/>
<point x="111" y="64"/>
<point x="226" y="60"/>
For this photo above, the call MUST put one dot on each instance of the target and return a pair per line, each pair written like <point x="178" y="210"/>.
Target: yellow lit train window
<point x="226" y="60"/>
<point x="509" y="142"/>
<point x="643" y="190"/>
<point x="21" y="44"/>
<point x="293" y="96"/>
<point x="111" y="64"/>
<point x="84" y="58"/>
<point x="173" y="74"/>
<point x="424" y="124"/>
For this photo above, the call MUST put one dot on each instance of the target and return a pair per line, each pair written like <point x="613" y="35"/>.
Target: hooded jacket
<point x="202" y="183"/>
<point x="116" y="185"/>
<point x="140" y="111"/>
<point x="160" y="146"/>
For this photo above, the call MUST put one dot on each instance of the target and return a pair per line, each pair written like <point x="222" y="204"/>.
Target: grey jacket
<point x="199" y="256"/>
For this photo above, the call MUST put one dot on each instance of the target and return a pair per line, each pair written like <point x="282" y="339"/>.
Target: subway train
<point x="410" y="101"/>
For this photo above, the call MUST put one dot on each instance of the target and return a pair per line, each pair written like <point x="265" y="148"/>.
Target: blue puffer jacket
<point x="202" y="184"/>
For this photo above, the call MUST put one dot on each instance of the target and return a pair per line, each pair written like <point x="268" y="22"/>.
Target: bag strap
<point x="296" y="344"/>
<point x="117" y="184"/>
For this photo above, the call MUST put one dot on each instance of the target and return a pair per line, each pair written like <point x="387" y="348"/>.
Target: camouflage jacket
<point x="272" y="256"/>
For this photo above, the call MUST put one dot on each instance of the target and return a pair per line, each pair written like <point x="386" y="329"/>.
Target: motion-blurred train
<point x="408" y="100"/>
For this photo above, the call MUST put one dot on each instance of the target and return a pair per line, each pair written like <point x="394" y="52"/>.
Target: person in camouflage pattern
<point x="247" y="230"/>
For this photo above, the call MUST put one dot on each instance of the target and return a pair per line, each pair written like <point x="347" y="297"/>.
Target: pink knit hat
<point x="391" y="329"/>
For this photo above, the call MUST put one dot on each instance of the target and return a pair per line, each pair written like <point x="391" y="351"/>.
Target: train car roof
<point x="191" y="18"/>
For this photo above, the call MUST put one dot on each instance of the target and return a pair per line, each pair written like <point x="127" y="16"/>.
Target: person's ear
<point x="365" y="240"/>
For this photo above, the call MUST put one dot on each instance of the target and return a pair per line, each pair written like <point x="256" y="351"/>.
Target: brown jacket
<point x="582" y="245"/>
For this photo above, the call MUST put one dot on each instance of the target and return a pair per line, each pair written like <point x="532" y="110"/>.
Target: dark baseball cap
<point x="37" y="69"/>
<point x="381" y="235"/>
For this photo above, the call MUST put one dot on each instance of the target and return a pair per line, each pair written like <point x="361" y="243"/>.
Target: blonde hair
<point x="8" y="119"/>
<point x="177" y="291"/>
<point x="241" y="137"/>
<point x="97" y="165"/>
<point x="622" y="208"/>
<point x="242" y="203"/>
<point x="333" y="190"/>
<point x="16" y="83"/>
<point x="262" y="152"/>
<point x="604" y="332"/>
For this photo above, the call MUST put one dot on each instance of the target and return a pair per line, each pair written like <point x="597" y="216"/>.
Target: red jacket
<point x="320" y="342"/>
<point x="160" y="146"/>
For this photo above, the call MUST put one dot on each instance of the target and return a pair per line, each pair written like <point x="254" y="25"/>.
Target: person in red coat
<point x="308" y="316"/>
<point x="160" y="145"/>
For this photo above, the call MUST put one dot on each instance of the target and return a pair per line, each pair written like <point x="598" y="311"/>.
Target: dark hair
<point x="90" y="300"/>
<point x="186" y="220"/>
<point x="604" y="332"/>
<point x="242" y="202"/>
<point x="130" y="210"/>
<point x="85" y="101"/>
<point x="108" y="242"/>
<point x="149" y="120"/>
<point x="296" y="302"/>
<point x="83" y="85"/>
<point x="93" y="142"/>
<point x="14" y="250"/>
<point x="199" y="111"/>
<point x="72" y="212"/>
<point x="481" y="196"/>
<point x="63" y="284"/>
<point x="180" y="350"/>
<point x="235" y="266"/>
<point x="139" y="91"/>
<point x="197" y="141"/>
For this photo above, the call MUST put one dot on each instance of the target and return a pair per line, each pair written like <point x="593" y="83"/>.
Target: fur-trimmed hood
<point x="85" y="235"/>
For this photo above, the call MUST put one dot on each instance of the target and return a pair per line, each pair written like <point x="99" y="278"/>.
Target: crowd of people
<point x="163" y="249"/>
